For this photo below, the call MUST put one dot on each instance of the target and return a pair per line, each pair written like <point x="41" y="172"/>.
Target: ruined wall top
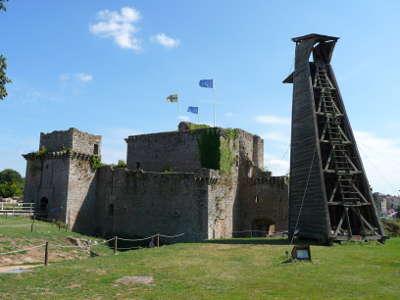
<point x="183" y="150"/>
<point x="71" y="139"/>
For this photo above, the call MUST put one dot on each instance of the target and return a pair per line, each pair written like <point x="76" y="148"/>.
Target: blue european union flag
<point x="206" y="83"/>
<point x="193" y="109"/>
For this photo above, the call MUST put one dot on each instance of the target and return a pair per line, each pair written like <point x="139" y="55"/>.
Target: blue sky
<point x="106" y="67"/>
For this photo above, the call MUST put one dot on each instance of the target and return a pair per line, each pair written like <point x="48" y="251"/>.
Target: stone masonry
<point x="206" y="182"/>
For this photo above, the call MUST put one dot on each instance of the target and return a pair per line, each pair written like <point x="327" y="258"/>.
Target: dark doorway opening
<point x="44" y="208"/>
<point x="263" y="227"/>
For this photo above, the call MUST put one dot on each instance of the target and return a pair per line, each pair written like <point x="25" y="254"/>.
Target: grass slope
<point x="15" y="234"/>
<point x="228" y="269"/>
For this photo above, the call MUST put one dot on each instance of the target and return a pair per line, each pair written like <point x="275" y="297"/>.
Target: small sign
<point x="301" y="252"/>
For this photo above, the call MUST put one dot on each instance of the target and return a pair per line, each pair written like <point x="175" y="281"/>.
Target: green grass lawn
<point x="226" y="269"/>
<point x="15" y="234"/>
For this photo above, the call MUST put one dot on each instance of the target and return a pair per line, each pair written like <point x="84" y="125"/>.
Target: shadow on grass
<point x="251" y="241"/>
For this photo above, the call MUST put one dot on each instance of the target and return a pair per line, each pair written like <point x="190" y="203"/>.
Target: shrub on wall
<point x="121" y="164"/>
<point x="193" y="126"/>
<point x="95" y="162"/>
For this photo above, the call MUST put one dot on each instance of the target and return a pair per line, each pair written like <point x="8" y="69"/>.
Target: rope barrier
<point x="172" y="236"/>
<point x="241" y="231"/>
<point x="130" y="248"/>
<point x="137" y="240"/>
<point x="62" y="246"/>
<point x="103" y="242"/>
<point x="22" y="250"/>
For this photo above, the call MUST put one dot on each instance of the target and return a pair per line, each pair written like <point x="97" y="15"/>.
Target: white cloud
<point x="271" y="119"/>
<point x="381" y="159"/>
<point x="276" y="166"/>
<point x="113" y="144"/>
<point x="79" y="77"/>
<point x="119" y="26"/>
<point x="277" y="137"/>
<point x="183" y="118"/>
<point x="165" y="40"/>
<point x="64" y="77"/>
<point x="229" y="114"/>
<point x="84" y="77"/>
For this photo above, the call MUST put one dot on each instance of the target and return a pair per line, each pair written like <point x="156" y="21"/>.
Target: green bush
<point x="193" y="126"/>
<point x="95" y="162"/>
<point x="11" y="183"/>
<point x="121" y="164"/>
<point x="392" y="227"/>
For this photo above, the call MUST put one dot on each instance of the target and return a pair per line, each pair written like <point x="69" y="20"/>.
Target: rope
<point x="103" y="242"/>
<point x="262" y="231"/>
<point x="172" y="236"/>
<point x="137" y="240"/>
<point x="304" y="195"/>
<point x="63" y="246"/>
<point x="22" y="250"/>
<point x="130" y="248"/>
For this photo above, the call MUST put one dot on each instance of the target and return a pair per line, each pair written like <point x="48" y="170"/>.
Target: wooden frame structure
<point x="329" y="193"/>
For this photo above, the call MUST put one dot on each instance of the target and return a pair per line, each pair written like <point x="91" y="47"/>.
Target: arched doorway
<point x="263" y="227"/>
<point x="44" y="208"/>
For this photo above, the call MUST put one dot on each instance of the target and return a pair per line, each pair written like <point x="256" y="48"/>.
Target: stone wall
<point x="175" y="151"/>
<point x="221" y="207"/>
<point x="81" y="196"/>
<point x="264" y="202"/>
<point x="83" y="142"/>
<point x="56" y="140"/>
<point x="134" y="203"/>
<point x="48" y="179"/>
<point x="72" y="139"/>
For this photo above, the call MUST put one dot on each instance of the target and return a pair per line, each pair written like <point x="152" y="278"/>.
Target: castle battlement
<point x="204" y="181"/>
<point x="71" y="139"/>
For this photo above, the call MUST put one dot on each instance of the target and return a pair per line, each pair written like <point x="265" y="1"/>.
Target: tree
<point x="11" y="183"/>
<point x="3" y="65"/>
<point x="3" y="5"/>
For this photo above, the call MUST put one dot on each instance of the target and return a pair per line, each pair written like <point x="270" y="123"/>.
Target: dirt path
<point x="16" y="269"/>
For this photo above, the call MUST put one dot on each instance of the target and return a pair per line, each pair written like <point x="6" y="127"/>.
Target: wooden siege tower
<point x="329" y="194"/>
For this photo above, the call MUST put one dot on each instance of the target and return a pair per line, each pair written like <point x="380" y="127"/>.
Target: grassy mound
<point x="16" y="234"/>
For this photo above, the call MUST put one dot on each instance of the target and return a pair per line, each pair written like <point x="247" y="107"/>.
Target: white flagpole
<point x="214" y="103"/>
<point x="177" y="106"/>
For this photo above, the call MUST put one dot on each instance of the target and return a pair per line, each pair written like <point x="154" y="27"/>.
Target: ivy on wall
<point x="216" y="148"/>
<point x="209" y="143"/>
<point x="227" y="154"/>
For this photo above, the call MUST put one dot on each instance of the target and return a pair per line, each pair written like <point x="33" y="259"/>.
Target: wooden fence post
<point x="33" y="223"/>
<point x="115" y="244"/>
<point x="46" y="254"/>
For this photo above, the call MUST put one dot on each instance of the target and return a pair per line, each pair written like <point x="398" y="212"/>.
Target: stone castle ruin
<point x="203" y="181"/>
